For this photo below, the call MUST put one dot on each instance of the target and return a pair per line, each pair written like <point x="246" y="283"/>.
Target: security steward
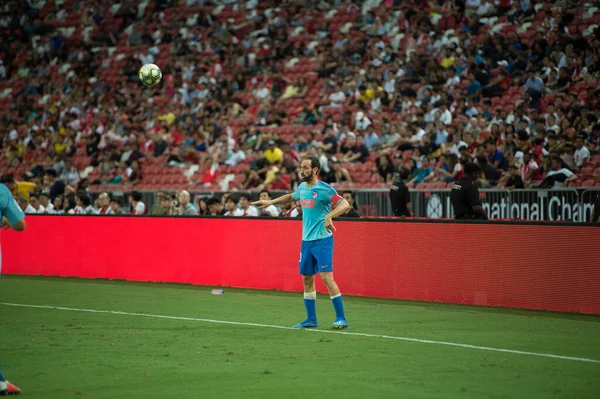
<point x="400" y="196"/>
<point x="465" y="196"/>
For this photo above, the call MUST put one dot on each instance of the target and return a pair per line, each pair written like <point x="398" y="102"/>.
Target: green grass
<point x="65" y="354"/>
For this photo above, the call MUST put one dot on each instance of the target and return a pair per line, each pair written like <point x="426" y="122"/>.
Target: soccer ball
<point x="150" y="74"/>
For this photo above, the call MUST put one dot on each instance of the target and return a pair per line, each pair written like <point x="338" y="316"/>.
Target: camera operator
<point x="183" y="206"/>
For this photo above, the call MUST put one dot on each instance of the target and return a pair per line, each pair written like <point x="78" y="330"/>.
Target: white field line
<point x="238" y="323"/>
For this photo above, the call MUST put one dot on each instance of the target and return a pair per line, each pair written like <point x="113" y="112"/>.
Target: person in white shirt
<point x="104" y="202"/>
<point x="34" y="203"/>
<point x="137" y="206"/>
<point x="236" y="156"/>
<point x="231" y="208"/>
<point x="271" y="210"/>
<point x="26" y="206"/>
<point x="337" y="98"/>
<point x="245" y="208"/>
<point x="582" y="154"/>
<point x="561" y="177"/>
<point x="45" y="202"/>
<point x="361" y="121"/>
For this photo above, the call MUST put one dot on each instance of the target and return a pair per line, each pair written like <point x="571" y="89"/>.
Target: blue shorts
<point x="316" y="256"/>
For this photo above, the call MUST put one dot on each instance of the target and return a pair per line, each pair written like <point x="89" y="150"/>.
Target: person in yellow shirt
<point x="19" y="189"/>
<point x="273" y="154"/>
<point x="448" y="60"/>
<point x="169" y="118"/>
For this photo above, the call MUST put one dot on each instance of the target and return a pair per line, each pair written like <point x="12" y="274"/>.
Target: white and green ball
<point x="150" y="74"/>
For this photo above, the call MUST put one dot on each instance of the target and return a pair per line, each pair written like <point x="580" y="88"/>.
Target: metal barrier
<point x="560" y="204"/>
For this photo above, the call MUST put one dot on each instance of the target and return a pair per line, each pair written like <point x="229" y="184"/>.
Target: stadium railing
<point x="552" y="205"/>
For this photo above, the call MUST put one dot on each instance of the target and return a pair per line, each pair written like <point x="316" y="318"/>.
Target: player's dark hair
<point x="213" y="201"/>
<point x="136" y="195"/>
<point x="230" y="198"/>
<point x="315" y="163"/>
<point x="244" y="195"/>
<point x="116" y="201"/>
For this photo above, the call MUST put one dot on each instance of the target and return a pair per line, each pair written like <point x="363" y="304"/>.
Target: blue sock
<point x="310" y="303"/>
<point x="338" y="305"/>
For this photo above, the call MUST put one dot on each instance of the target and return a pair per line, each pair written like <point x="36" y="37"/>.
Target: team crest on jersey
<point x="315" y="194"/>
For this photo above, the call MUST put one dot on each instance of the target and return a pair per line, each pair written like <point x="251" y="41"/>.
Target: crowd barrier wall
<point x="533" y="266"/>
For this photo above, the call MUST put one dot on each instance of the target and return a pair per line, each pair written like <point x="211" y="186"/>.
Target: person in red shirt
<point x="280" y="183"/>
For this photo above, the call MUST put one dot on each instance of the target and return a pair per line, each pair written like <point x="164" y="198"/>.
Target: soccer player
<point x="12" y="218"/>
<point x="316" y="253"/>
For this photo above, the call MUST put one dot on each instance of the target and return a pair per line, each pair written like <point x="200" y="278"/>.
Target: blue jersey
<point x="9" y="207"/>
<point x="316" y="203"/>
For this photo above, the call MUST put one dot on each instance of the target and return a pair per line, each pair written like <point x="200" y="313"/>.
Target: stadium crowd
<point x="251" y="87"/>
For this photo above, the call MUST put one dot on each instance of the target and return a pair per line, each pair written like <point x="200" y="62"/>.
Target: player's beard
<point x="308" y="177"/>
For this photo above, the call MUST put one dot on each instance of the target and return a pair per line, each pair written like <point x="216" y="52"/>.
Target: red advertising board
<point x="548" y="267"/>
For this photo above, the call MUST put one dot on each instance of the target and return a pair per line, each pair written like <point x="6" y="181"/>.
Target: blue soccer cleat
<point x="339" y="324"/>
<point x="307" y="324"/>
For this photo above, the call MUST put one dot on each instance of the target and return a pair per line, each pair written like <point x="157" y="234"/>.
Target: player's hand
<point x="5" y="223"/>
<point x="262" y="203"/>
<point x="329" y="224"/>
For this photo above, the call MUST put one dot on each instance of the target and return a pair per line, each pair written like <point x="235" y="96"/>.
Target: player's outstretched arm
<point x="279" y="200"/>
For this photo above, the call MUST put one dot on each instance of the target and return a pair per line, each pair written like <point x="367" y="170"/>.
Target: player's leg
<point x="324" y="255"/>
<point x="307" y="268"/>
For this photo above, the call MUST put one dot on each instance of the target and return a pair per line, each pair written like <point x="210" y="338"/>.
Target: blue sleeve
<point x="296" y="193"/>
<point x="330" y="195"/>
<point x="9" y="207"/>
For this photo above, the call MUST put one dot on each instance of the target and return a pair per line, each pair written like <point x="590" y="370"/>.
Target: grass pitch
<point x="54" y="353"/>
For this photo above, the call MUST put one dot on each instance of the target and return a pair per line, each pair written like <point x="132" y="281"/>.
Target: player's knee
<point x="327" y="279"/>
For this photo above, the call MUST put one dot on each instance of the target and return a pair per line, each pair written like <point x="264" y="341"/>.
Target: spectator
<point x="385" y="169"/>
<point x="271" y="210"/>
<point x="495" y="156"/>
<point x="215" y="208"/>
<point x="104" y="204"/>
<point x="57" y="205"/>
<point x="558" y="176"/>
<point x="273" y="154"/>
<point x="46" y="204"/>
<point x="18" y="188"/>
<point x="84" y="204"/>
<point x="231" y="208"/>
<point x="57" y="187"/>
<point x="454" y="171"/>
<point x="115" y="206"/>
<point x="424" y="174"/>
<point x="236" y="156"/>
<point x="158" y="209"/>
<point x="137" y="206"/>
<point x="354" y="150"/>
<point x="70" y="174"/>
<point x="582" y="154"/>
<point x="280" y="182"/>
<point x="25" y="206"/>
<point x="245" y="207"/>
<point x="512" y="178"/>
<point x="530" y="171"/>
<point x="492" y="175"/>
<point x="34" y="203"/>
<point x="185" y="208"/>
<point x="352" y="212"/>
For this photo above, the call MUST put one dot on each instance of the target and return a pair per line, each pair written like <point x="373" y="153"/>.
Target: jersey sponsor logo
<point x="307" y="203"/>
<point x="315" y="194"/>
